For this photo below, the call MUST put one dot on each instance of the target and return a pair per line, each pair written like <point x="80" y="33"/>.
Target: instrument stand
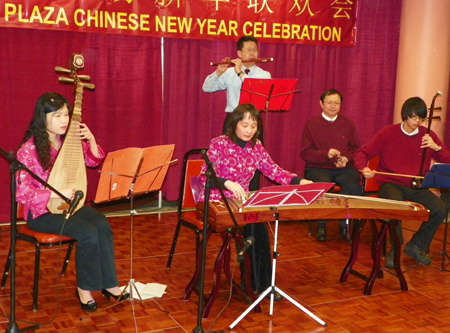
<point x="199" y="328"/>
<point x="210" y="177"/>
<point x="439" y="177"/>
<point x="131" y="283"/>
<point x="444" y="252"/>
<point x="273" y="288"/>
<point x="15" y="166"/>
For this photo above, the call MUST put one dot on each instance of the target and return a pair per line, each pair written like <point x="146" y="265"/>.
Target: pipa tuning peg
<point x="62" y="69"/>
<point x="89" y="85"/>
<point x="65" y="79"/>
<point x="84" y="77"/>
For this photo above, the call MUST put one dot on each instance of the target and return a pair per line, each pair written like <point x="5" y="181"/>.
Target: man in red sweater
<point x="400" y="148"/>
<point x="329" y="142"/>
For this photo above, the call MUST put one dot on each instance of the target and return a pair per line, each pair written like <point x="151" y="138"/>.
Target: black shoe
<point x="344" y="234"/>
<point x="90" y="306"/>
<point x="118" y="298"/>
<point x="390" y="259"/>
<point x="415" y="252"/>
<point x="248" y="299"/>
<point x="321" y="235"/>
<point x="276" y="296"/>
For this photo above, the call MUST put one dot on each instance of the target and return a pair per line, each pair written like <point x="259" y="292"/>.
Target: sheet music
<point x="288" y="195"/>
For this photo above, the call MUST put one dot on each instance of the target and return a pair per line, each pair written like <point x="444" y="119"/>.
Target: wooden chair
<point x="38" y="239"/>
<point x="187" y="217"/>
<point x="371" y="186"/>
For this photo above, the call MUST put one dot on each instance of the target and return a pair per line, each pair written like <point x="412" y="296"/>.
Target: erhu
<point x="69" y="169"/>
<point x="416" y="182"/>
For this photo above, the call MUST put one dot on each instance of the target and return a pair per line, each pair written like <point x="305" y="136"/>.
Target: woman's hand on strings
<point x="237" y="189"/>
<point x="67" y="192"/>
<point x="85" y="133"/>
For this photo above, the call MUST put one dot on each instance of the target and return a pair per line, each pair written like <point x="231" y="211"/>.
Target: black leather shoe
<point x="321" y="235"/>
<point x="90" y="306"/>
<point x="390" y="259"/>
<point x="344" y="235"/>
<point x="414" y="251"/>
<point x="118" y="298"/>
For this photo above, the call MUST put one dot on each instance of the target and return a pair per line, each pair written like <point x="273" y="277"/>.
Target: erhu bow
<point x="69" y="169"/>
<point x="416" y="182"/>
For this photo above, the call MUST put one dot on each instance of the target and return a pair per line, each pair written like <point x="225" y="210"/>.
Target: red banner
<point x="324" y="22"/>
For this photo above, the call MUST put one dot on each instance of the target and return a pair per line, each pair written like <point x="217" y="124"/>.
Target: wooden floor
<point x="307" y="270"/>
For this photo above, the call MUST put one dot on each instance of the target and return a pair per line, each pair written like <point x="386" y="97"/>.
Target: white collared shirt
<point x="328" y="118"/>
<point x="416" y="131"/>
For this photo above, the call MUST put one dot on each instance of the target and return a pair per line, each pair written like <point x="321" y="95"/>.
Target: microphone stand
<point x="14" y="167"/>
<point x="210" y="177"/>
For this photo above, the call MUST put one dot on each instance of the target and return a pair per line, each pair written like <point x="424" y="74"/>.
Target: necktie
<point x="246" y="71"/>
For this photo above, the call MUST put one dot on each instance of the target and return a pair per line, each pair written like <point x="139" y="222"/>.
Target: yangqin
<point x="328" y="207"/>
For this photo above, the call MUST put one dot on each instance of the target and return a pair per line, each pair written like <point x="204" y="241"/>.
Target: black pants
<point x="348" y="180"/>
<point x="435" y="205"/>
<point x="94" y="261"/>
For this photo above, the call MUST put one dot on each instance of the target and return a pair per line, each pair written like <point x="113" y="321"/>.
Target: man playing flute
<point x="231" y="78"/>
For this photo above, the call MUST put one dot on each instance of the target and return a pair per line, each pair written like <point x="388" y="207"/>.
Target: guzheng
<point x="328" y="207"/>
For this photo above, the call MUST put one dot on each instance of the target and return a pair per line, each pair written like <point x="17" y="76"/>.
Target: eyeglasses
<point x="417" y="118"/>
<point x="250" y="50"/>
<point x="333" y="103"/>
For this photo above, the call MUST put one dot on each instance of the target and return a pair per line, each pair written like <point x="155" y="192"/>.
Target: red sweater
<point x="400" y="154"/>
<point x="319" y="135"/>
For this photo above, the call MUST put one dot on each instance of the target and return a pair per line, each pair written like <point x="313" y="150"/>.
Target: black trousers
<point x="435" y="205"/>
<point x="94" y="261"/>
<point x="347" y="178"/>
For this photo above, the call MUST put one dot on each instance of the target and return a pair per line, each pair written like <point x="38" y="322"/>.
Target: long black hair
<point x="48" y="102"/>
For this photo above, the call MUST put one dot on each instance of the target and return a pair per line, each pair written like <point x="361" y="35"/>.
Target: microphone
<point x="78" y="196"/>
<point x="438" y="93"/>
<point x="249" y="241"/>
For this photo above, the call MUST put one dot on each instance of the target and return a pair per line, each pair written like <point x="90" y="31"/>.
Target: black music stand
<point x="211" y="180"/>
<point x="269" y="94"/>
<point x="276" y="197"/>
<point x="439" y="177"/>
<point x="133" y="171"/>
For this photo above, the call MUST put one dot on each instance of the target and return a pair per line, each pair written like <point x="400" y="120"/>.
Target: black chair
<point x="38" y="239"/>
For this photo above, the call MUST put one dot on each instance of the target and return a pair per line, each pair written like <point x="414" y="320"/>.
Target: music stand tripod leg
<point x="274" y="288"/>
<point x="444" y="245"/>
<point x="444" y="253"/>
<point x="131" y="283"/>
